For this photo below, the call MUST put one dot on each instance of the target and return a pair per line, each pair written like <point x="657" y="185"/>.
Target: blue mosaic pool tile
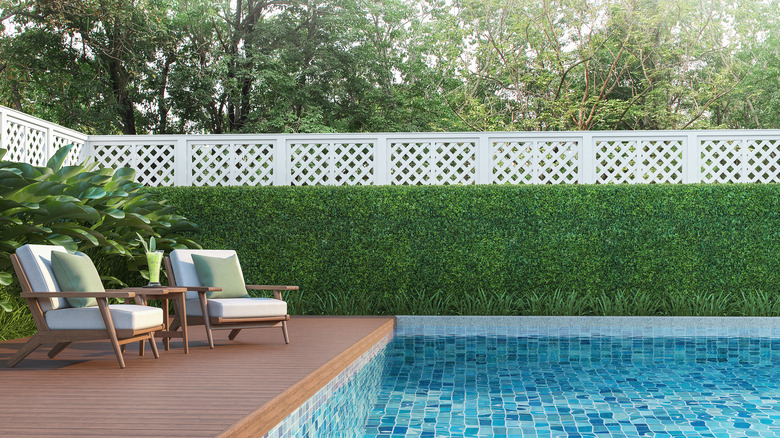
<point x="341" y="407"/>
<point x="566" y="382"/>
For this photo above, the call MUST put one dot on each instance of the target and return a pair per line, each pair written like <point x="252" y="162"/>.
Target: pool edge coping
<point x="590" y="321"/>
<point x="261" y="421"/>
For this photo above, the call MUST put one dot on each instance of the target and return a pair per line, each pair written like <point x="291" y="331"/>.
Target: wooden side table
<point x="165" y="293"/>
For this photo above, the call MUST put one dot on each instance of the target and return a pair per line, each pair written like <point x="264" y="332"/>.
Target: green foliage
<point x="96" y="210"/>
<point x="150" y="66"/>
<point x="520" y="250"/>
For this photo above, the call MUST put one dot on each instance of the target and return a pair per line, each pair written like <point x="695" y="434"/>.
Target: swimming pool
<point x="553" y="381"/>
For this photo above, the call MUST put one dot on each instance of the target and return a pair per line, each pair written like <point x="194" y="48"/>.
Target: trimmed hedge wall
<point x="370" y="245"/>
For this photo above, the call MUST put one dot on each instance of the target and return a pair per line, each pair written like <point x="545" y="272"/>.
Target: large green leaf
<point x="62" y="240"/>
<point x="77" y="231"/>
<point x="59" y="157"/>
<point x="68" y="210"/>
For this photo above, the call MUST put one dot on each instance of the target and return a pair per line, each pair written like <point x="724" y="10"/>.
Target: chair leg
<point x="153" y="344"/>
<point x="58" y="349"/>
<point x="204" y="309"/>
<point x="109" y="322"/>
<point x="284" y="330"/>
<point x="25" y="351"/>
<point x="233" y="334"/>
<point x="140" y="348"/>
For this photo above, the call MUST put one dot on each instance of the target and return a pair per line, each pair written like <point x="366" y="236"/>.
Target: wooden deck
<point x="241" y="388"/>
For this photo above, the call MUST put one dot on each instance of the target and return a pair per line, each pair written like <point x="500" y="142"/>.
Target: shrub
<point x="638" y="249"/>
<point x="95" y="210"/>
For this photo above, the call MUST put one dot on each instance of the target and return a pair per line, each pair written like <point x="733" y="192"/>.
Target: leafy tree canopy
<point x="181" y="66"/>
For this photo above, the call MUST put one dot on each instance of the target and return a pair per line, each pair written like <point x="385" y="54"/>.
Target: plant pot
<point x="154" y="260"/>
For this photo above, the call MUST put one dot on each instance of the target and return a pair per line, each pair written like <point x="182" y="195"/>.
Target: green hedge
<point x="441" y="249"/>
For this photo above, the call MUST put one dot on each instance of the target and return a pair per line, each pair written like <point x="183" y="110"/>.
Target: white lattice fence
<point x="535" y="162"/>
<point x="639" y="161"/>
<point x="26" y="143"/>
<point x="333" y="163"/>
<point x="601" y="157"/>
<point x="231" y="164"/>
<point x="153" y="163"/>
<point x="740" y="160"/>
<point x="414" y="163"/>
<point x="32" y="140"/>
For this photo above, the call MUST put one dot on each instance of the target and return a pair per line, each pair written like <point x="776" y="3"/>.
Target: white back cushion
<point x="36" y="262"/>
<point x="184" y="270"/>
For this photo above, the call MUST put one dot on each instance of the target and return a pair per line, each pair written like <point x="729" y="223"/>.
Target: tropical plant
<point x="83" y="207"/>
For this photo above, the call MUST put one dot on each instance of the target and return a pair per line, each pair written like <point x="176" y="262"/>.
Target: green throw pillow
<point x="76" y="273"/>
<point x="220" y="272"/>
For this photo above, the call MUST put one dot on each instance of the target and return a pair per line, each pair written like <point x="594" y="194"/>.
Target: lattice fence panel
<point x="557" y="162"/>
<point x="210" y="164"/>
<point x="25" y="143"/>
<point x="763" y="161"/>
<point x="310" y="164"/>
<point x="616" y="161"/>
<point x="113" y="155"/>
<point x="513" y="162"/>
<point x="253" y="164"/>
<point x="353" y="163"/>
<point x="641" y="161"/>
<point x="721" y="161"/>
<point x="75" y="151"/>
<point x="432" y="163"/>
<point x="535" y="162"/>
<point x="36" y="147"/>
<point x="14" y="141"/>
<point x="333" y="163"/>
<point x="661" y="161"/>
<point x="154" y="164"/>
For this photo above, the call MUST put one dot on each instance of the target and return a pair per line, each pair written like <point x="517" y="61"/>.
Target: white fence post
<point x="484" y="159"/>
<point x="381" y="161"/>
<point x="691" y="155"/>
<point x="3" y="133"/>
<point x="280" y="161"/>
<point x="182" y="171"/>
<point x="588" y="159"/>
<point x="49" y="148"/>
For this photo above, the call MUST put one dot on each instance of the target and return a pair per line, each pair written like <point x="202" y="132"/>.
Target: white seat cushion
<point x="36" y="262"/>
<point x="125" y="316"/>
<point x="239" y="307"/>
<point x="184" y="269"/>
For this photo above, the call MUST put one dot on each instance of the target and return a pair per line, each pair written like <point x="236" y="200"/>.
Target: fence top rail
<point x="735" y="134"/>
<point x="13" y="114"/>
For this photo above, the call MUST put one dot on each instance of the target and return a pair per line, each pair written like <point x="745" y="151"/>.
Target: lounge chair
<point x="233" y="313"/>
<point x="60" y="323"/>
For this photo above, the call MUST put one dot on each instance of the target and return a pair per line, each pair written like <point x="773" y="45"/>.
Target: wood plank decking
<point x="241" y="388"/>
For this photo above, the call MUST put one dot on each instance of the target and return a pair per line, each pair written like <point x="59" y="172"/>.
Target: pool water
<point x="577" y="383"/>
<point x="578" y="386"/>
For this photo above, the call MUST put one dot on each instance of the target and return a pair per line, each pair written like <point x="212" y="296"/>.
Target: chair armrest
<point x="265" y="287"/>
<point x="202" y="288"/>
<point x="111" y="293"/>
<point x="277" y="289"/>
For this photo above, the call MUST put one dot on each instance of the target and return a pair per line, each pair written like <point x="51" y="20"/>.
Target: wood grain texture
<point x="240" y="388"/>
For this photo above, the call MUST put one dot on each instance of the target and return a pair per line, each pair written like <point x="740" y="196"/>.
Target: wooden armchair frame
<point x="235" y="325"/>
<point x="64" y="337"/>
